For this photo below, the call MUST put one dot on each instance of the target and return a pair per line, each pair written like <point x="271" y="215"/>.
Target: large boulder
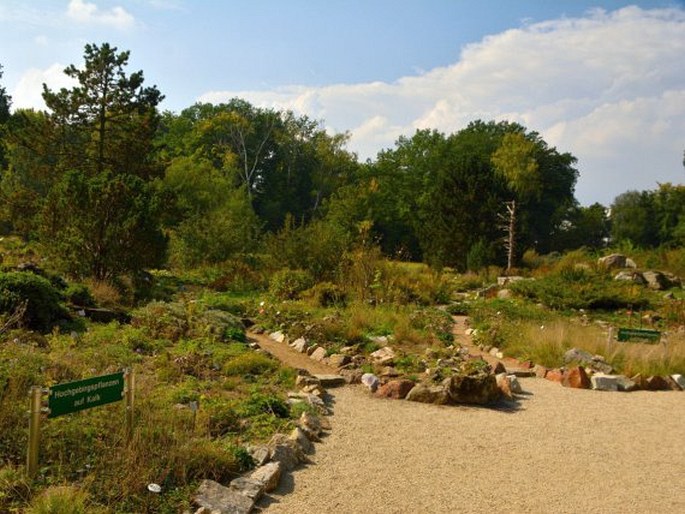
<point x="222" y="500"/>
<point x="576" y="378"/>
<point x="384" y="357"/>
<point x="613" y="261"/>
<point x="424" y="393"/>
<point x="395" y="389"/>
<point x="659" y="281"/>
<point x="630" y="276"/>
<point x="476" y="388"/>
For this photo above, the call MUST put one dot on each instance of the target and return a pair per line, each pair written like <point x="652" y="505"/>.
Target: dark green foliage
<point x="327" y="294"/>
<point x="288" y="284"/>
<point x="249" y="363"/>
<point x="577" y="288"/>
<point x="40" y="298"/>
<point x="102" y="226"/>
<point x="259" y="403"/>
<point x="79" y="294"/>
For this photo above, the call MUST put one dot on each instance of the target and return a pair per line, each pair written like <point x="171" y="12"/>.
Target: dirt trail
<point x="288" y="356"/>
<point x="558" y="450"/>
<point x="562" y="450"/>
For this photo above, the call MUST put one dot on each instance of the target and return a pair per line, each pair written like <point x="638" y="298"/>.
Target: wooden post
<point x="34" y="431"/>
<point x="129" y="389"/>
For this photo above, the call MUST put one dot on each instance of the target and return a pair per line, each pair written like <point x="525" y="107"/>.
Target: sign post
<point x="74" y="397"/>
<point x="34" y="431"/>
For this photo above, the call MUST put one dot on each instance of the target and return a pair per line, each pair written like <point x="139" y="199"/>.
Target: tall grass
<point x="546" y="345"/>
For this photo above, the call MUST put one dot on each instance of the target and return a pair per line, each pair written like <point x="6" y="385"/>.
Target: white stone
<point x="514" y="384"/>
<point x="383" y="356"/>
<point x="299" y="344"/>
<point x="278" y="336"/>
<point x="269" y="475"/>
<point x="680" y="380"/>
<point x="319" y="354"/>
<point x="603" y="382"/>
<point x="371" y="381"/>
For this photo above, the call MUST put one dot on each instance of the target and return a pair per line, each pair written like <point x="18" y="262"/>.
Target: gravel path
<point x="559" y="450"/>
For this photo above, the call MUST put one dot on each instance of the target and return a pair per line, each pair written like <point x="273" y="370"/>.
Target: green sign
<point x="84" y="394"/>
<point x="626" y="334"/>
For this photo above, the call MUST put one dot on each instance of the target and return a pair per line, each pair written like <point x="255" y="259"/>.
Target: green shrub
<point x="259" y="403"/>
<point x="61" y="500"/>
<point x="162" y="320"/>
<point x="79" y="294"/>
<point x="42" y="300"/>
<point x="327" y="294"/>
<point x="221" y="325"/>
<point x="249" y="363"/>
<point x="287" y="284"/>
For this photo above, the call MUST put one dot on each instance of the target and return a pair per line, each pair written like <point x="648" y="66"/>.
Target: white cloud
<point x="85" y="12"/>
<point x="608" y="87"/>
<point x="28" y="92"/>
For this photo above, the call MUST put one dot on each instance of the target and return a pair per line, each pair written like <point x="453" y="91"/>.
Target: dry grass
<point x="547" y="344"/>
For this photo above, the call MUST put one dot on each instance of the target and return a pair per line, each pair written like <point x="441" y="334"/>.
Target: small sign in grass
<point x="641" y="334"/>
<point x="85" y="394"/>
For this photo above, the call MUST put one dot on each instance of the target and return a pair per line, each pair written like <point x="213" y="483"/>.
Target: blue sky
<point x="604" y="80"/>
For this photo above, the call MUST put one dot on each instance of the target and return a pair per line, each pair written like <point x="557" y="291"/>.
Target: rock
<point x="577" y="355"/>
<point x="247" y="486"/>
<point x="302" y="440"/>
<point x="331" y="381"/>
<point x="613" y="261"/>
<point x="269" y="475"/>
<point x="576" y="378"/>
<point x="315" y="389"/>
<point x="504" y="385"/>
<point x="221" y="500"/>
<point x="503" y="281"/>
<point x="494" y="351"/>
<point x="499" y="368"/>
<point x="630" y="263"/>
<point x="476" y="388"/>
<point x="602" y="382"/>
<point x="384" y="356"/>
<point x="657" y="383"/>
<point x="338" y="360"/>
<point x="514" y="384"/>
<point x="310" y="423"/>
<point x="680" y="380"/>
<point x="625" y="384"/>
<point x="470" y="331"/>
<point x="658" y="280"/>
<point x="260" y="454"/>
<point x="554" y="375"/>
<point x="299" y="345"/>
<point x="395" y="389"/>
<point x="672" y="384"/>
<point x="504" y="294"/>
<point x="428" y="394"/>
<point x="278" y="336"/>
<point x="389" y="372"/>
<point x="371" y="381"/>
<point x="640" y="381"/>
<point x="319" y="354"/>
<point x="286" y="451"/>
<point x="540" y="371"/>
<point x="630" y="276"/>
<point x="381" y="340"/>
<point x="352" y="376"/>
<point x="488" y="292"/>
<point x="304" y="380"/>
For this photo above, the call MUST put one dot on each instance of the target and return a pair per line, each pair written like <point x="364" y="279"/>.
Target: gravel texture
<point x="555" y="450"/>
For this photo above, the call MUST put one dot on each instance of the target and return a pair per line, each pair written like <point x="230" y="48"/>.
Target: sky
<point x="603" y="80"/>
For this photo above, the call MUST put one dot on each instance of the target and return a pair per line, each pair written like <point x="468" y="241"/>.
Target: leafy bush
<point x="287" y="284"/>
<point x="250" y="363"/>
<point x="578" y="288"/>
<point x="327" y="294"/>
<point x="43" y="302"/>
<point x="219" y="324"/>
<point x="162" y="320"/>
<point x="61" y="500"/>
<point x="79" y="294"/>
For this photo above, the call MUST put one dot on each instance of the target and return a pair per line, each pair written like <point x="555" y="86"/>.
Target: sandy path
<point x="562" y="450"/>
<point x="289" y="356"/>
